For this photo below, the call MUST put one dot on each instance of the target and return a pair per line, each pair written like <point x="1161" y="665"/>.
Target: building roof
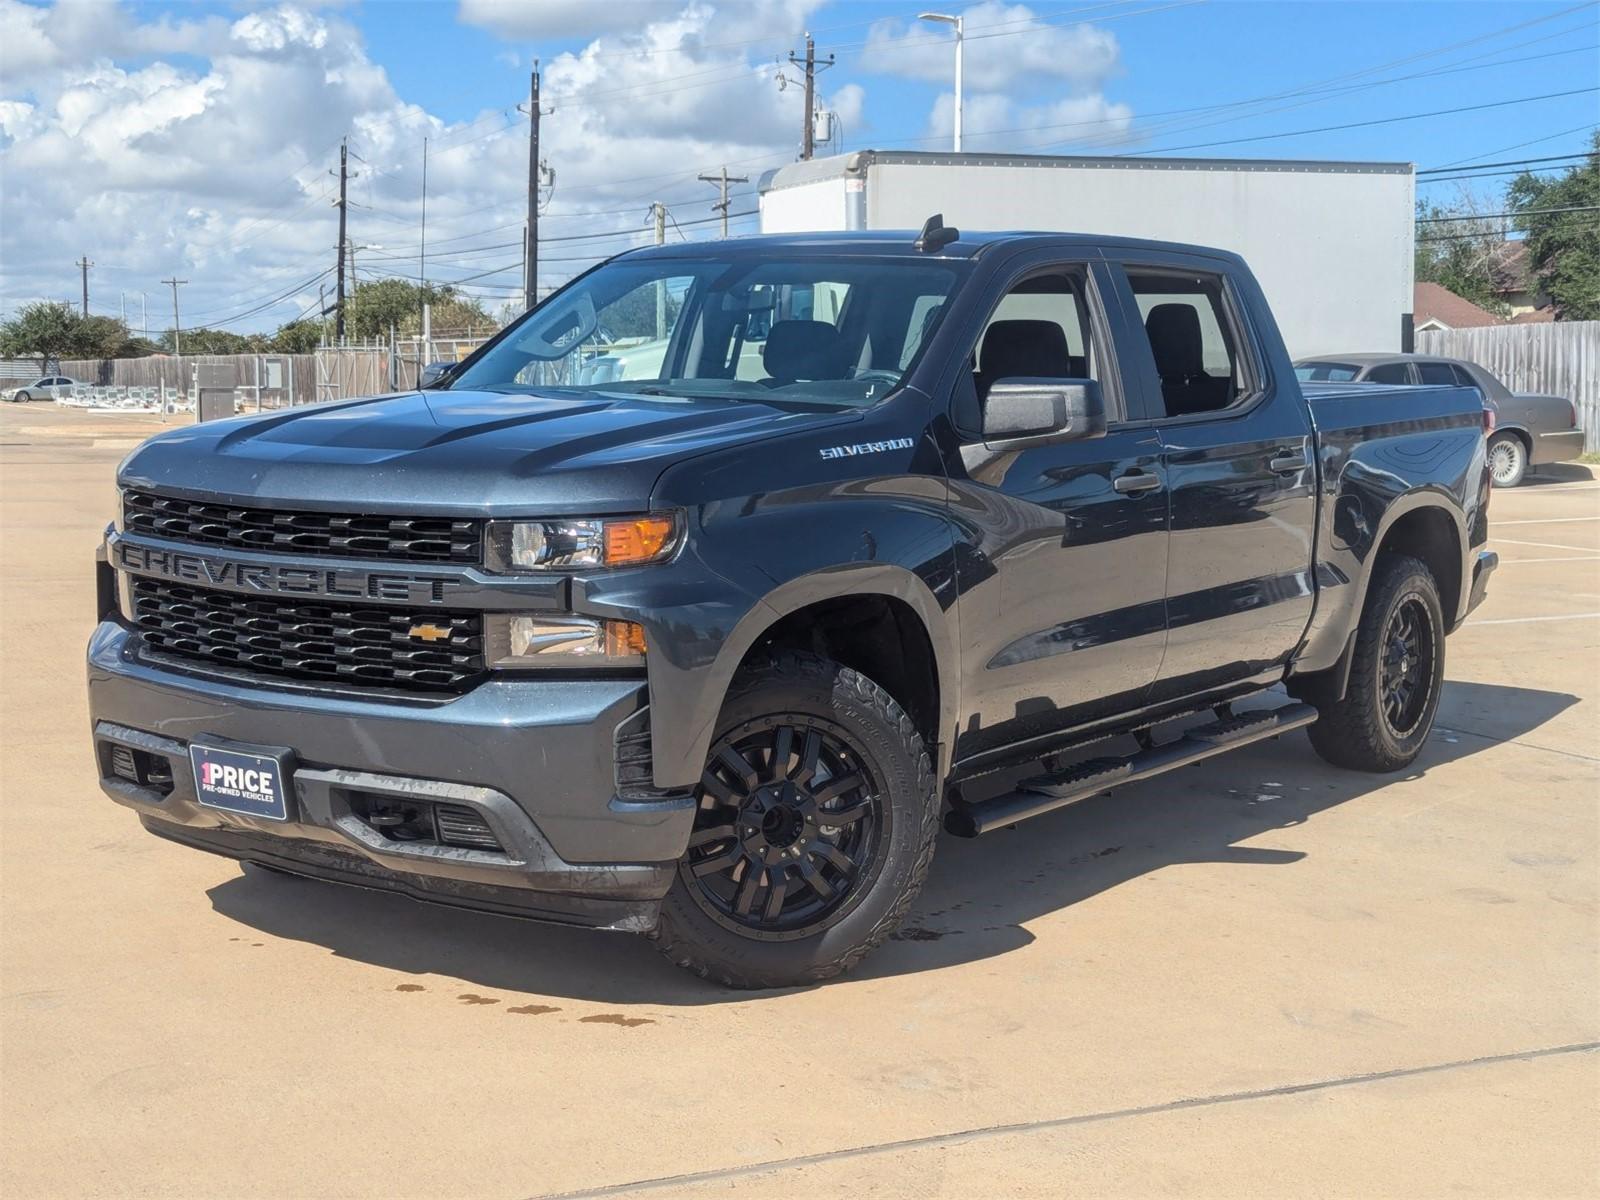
<point x="1434" y="302"/>
<point x="1538" y="316"/>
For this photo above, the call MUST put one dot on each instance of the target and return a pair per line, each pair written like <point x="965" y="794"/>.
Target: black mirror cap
<point x="1037" y="411"/>
<point x="433" y="372"/>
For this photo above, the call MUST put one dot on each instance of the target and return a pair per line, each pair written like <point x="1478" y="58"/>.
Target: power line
<point x="1516" y="162"/>
<point x="1526" y="212"/>
<point x="1438" y="112"/>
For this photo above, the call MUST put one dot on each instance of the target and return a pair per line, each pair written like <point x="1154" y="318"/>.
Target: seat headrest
<point x="1029" y="349"/>
<point x="803" y="350"/>
<point x="1176" y="340"/>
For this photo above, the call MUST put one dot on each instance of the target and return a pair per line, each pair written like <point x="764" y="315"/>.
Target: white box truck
<point x="1331" y="242"/>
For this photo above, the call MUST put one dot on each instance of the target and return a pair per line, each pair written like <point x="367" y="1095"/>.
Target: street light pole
<point x="956" y="22"/>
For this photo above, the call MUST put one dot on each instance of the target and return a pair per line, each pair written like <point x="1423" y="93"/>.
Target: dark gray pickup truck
<point x="690" y="603"/>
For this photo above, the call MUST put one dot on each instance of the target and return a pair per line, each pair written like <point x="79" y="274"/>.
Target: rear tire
<point x="1395" y="675"/>
<point x="814" y="833"/>
<point x="1508" y="460"/>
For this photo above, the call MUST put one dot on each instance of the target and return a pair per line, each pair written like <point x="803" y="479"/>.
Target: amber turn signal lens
<point x="636" y="540"/>
<point x="624" y="639"/>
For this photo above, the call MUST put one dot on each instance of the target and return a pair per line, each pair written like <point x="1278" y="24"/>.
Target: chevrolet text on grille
<point x="298" y="581"/>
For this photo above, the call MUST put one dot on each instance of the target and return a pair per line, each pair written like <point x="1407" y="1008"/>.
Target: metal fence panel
<point x="1561" y="358"/>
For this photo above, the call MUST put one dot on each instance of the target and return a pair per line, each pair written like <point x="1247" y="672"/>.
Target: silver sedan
<point x="51" y="387"/>
<point x="1529" y="430"/>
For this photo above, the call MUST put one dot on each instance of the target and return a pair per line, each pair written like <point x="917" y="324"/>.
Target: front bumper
<point x="536" y="760"/>
<point x="1556" y="447"/>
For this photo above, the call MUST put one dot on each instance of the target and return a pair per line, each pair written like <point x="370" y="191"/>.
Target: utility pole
<point x="122" y="299"/>
<point x="808" y="132"/>
<point x="144" y="314"/>
<point x="530" y="260"/>
<point x="83" y="265"/>
<point x="422" y="250"/>
<point x="344" y="155"/>
<point x="722" y="181"/>
<point x="658" y="211"/>
<point x="177" y="325"/>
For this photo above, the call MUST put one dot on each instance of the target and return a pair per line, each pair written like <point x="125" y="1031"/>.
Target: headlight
<point x="574" y="544"/>
<point x="534" y="640"/>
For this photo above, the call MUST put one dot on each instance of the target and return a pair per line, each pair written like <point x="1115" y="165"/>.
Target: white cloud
<point x="1075" y="124"/>
<point x="218" y="172"/>
<point x="525" y="19"/>
<point x="1006" y="45"/>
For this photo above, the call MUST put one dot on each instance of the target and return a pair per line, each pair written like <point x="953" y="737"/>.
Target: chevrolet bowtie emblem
<point x="431" y="633"/>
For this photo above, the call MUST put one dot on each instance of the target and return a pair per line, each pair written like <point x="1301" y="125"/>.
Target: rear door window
<point x="1321" y="372"/>
<point x="1390" y="373"/>
<point x="1437" y="372"/>
<point x="1198" y="352"/>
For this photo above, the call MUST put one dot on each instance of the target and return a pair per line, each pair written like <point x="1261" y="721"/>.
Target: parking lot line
<point x="1526" y="620"/>
<point x="1541" y="545"/>
<point x="1572" y="559"/>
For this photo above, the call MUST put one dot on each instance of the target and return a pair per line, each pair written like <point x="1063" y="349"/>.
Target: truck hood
<point x="455" y="452"/>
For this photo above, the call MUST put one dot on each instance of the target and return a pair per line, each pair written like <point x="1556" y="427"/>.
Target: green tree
<point x="1564" y="246"/>
<point x="297" y="337"/>
<point x="44" y="331"/>
<point x="374" y="308"/>
<point x="1458" y="249"/>
<point x="214" y="341"/>
<point x="101" y="337"/>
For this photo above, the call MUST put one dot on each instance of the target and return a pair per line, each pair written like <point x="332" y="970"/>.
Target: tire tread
<point x="787" y="666"/>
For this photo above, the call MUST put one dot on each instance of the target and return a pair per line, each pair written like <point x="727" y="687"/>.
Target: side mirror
<point x="433" y="372"/>
<point x="1039" y="411"/>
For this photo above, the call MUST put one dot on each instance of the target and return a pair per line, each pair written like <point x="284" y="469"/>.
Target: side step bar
<point x="1045" y="793"/>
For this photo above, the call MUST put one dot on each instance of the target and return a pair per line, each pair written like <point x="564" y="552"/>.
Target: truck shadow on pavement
<point x="975" y="906"/>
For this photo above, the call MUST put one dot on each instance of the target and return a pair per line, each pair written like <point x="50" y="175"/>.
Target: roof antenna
<point x="935" y="235"/>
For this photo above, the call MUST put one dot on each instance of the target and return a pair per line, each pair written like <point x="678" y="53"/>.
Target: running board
<point x="1045" y="793"/>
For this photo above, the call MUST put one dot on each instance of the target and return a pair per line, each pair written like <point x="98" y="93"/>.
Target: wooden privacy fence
<point x="1558" y="359"/>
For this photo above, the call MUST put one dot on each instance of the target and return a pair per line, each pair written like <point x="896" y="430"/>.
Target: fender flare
<point x="834" y="583"/>
<point x="1426" y="497"/>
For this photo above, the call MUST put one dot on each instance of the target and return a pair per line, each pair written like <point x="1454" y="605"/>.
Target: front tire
<point x="814" y="833"/>
<point x="21" y="398"/>
<point x="1508" y="460"/>
<point x="1395" y="676"/>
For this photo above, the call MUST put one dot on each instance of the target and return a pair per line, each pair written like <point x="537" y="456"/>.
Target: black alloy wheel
<point x="1407" y="672"/>
<point x="814" y="827"/>
<point x="786" y="830"/>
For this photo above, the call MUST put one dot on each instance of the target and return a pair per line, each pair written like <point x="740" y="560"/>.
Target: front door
<point x="1236" y="451"/>
<point x="1062" y="555"/>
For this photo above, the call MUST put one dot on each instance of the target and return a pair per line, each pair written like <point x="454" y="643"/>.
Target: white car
<point x="50" y="387"/>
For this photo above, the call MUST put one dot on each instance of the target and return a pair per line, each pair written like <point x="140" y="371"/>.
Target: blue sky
<point x="198" y="137"/>
<point x="1172" y="57"/>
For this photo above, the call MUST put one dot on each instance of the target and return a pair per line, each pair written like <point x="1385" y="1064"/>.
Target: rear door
<point x="1062" y="560"/>
<point x="1236" y="455"/>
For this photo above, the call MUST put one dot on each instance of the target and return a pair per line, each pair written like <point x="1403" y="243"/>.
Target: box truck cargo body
<point x="1331" y="242"/>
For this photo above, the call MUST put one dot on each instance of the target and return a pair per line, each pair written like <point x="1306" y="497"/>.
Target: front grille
<point x="351" y="535"/>
<point x="335" y="643"/>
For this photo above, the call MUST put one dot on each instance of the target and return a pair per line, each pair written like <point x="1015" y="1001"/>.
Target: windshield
<point x="815" y="331"/>
<point x="1325" y="372"/>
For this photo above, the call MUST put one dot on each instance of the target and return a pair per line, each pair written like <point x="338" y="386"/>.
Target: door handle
<point x="1288" y="460"/>
<point x="1135" y="481"/>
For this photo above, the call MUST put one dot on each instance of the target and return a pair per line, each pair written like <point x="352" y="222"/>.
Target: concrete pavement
<point x="1260" y="976"/>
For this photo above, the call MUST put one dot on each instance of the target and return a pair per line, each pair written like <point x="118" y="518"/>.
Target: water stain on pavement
<point x="474" y="998"/>
<point x="410" y="987"/>
<point x="534" y="1010"/>
<point x="615" y="1019"/>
